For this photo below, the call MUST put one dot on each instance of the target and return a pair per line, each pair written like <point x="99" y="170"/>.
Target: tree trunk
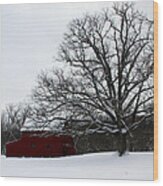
<point x="122" y="144"/>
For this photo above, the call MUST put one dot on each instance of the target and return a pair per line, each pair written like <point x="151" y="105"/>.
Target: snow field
<point x="132" y="166"/>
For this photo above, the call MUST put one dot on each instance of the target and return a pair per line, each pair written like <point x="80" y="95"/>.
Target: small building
<point x="40" y="143"/>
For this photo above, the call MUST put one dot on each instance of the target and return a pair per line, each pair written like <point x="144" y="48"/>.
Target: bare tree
<point x="12" y="119"/>
<point x="110" y="85"/>
<point x="55" y="104"/>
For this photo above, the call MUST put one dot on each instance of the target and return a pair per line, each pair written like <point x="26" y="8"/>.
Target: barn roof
<point x="29" y="125"/>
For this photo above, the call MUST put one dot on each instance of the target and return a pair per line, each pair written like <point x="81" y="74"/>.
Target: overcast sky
<point x="30" y="36"/>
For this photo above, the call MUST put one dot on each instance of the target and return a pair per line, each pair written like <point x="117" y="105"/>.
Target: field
<point x="133" y="166"/>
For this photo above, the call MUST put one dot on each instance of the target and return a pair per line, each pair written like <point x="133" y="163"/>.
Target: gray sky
<point x="30" y="36"/>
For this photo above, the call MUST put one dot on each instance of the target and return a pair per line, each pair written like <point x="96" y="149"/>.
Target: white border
<point x="56" y="1"/>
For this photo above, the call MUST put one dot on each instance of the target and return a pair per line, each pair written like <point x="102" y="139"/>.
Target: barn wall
<point x="37" y="146"/>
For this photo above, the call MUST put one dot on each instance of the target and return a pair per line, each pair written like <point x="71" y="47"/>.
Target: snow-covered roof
<point x="31" y="126"/>
<point x="24" y="129"/>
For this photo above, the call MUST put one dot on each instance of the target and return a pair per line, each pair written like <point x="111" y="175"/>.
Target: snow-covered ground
<point x="134" y="166"/>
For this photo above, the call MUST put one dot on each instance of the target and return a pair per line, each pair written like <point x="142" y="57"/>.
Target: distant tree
<point x="12" y="119"/>
<point x="109" y="86"/>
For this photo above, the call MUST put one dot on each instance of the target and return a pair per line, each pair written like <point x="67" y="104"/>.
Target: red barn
<point x="40" y="144"/>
